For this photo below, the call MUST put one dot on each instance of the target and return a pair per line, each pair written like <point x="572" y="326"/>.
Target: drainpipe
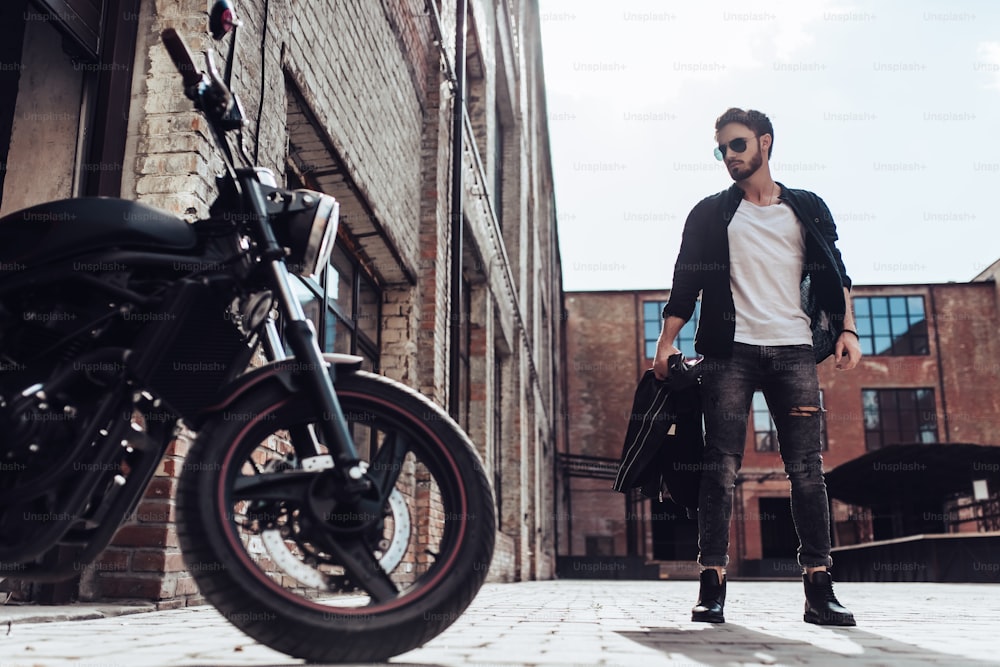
<point x="940" y="367"/>
<point x="457" y="216"/>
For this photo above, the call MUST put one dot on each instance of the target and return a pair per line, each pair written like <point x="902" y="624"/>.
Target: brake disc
<point x="277" y="548"/>
<point x="400" y="539"/>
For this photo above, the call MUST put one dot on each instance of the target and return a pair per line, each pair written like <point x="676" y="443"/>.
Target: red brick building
<point x="930" y="375"/>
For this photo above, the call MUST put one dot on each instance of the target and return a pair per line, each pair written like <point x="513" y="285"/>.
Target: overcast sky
<point x="890" y="111"/>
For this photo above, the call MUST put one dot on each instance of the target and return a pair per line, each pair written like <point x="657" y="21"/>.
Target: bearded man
<point x="775" y="302"/>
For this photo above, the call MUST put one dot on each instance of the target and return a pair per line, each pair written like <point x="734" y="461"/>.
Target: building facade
<point x="929" y="377"/>
<point x="447" y="271"/>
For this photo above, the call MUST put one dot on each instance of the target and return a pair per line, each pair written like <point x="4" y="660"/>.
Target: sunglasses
<point x="737" y="145"/>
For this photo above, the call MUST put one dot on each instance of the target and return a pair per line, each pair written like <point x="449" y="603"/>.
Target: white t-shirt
<point x="766" y="251"/>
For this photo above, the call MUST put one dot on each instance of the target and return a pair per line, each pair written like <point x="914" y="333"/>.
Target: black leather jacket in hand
<point x="664" y="442"/>
<point x="703" y="267"/>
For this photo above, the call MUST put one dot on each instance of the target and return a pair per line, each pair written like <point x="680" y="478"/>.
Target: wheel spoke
<point x="289" y="485"/>
<point x="363" y="568"/>
<point x="387" y="463"/>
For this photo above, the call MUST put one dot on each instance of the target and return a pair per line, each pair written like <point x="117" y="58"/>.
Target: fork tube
<point x="273" y="349"/>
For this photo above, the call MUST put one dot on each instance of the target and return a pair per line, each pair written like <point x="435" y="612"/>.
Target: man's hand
<point x="664" y="351"/>
<point x="847" y="351"/>
<point x="665" y="346"/>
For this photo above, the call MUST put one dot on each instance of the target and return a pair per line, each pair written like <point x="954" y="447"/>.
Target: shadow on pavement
<point x="731" y="643"/>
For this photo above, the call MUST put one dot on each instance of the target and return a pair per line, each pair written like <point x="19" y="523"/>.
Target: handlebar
<point x="210" y="94"/>
<point x="181" y="56"/>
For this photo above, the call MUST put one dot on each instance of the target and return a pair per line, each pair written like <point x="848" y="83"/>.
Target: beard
<point x="745" y="171"/>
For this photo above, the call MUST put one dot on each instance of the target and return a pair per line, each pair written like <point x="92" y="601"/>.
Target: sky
<point x="890" y="111"/>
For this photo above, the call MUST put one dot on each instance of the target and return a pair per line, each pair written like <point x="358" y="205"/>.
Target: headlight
<point x="309" y="232"/>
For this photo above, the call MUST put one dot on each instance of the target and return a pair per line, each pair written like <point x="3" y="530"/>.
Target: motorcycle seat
<point x="68" y="227"/>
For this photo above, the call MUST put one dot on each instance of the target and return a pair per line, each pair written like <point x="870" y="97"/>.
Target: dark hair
<point x="757" y="121"/>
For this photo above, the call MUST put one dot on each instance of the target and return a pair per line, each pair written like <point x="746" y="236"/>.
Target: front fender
<point x="284" y="372"/>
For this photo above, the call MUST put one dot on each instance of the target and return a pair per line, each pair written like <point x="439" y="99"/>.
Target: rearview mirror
<point x="222" y="19"/>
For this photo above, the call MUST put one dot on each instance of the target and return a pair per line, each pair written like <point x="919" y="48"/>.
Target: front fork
<point x="301" y="337"/>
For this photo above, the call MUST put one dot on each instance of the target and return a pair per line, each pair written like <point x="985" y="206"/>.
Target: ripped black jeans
<point x="787" y="377"/>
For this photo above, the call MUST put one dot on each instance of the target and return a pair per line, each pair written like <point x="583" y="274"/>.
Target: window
<point x="652" y="323"/>
<point x="899" y="416"/>
<point x="350" y="322"/>
<point x="891" y="325"/>
<point x="354" y="309"/>
<point x="765" y="434"/>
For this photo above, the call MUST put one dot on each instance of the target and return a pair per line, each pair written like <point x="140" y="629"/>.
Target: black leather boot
<point x="822" y="607"/>
<point x="711" y="598"/>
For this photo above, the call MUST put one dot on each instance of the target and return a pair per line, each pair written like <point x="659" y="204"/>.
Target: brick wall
<point x="372" y="77"/>
<point x="366" y="93"/>
<point x="144" y="560"/>
<point x="602" y="369"/>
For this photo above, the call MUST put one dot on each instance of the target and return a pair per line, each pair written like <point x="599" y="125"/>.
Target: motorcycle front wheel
<point x="270" y="546"/>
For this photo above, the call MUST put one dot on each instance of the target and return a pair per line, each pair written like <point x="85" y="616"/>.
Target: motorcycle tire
<point x="254" y="561"/>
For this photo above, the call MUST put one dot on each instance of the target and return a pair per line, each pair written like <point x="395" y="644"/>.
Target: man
<point x="775" y="302"/>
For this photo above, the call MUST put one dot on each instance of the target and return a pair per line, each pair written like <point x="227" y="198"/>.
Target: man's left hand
<point x="847" y="351"/>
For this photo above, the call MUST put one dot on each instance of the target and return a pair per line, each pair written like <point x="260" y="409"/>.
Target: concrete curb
<point x="34" y="613"/>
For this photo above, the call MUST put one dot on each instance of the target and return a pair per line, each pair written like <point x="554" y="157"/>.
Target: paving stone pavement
<point x="566" y="623"/>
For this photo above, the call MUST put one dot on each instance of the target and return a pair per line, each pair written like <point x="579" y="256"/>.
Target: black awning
<point x="908" y="473"/>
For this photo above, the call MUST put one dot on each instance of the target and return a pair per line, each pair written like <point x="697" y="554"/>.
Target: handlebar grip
<point x="181" y="56"/>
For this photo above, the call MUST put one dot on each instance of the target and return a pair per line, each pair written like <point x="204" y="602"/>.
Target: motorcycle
<point x="330" y="513"/>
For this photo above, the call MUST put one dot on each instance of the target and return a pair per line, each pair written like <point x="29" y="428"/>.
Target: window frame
<point x="870" y="325"/>
<point x="876" y="437"/>
<point x="760" y="407"/>
<point x="685" y="337"/>
<point x="360" y="343"/>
